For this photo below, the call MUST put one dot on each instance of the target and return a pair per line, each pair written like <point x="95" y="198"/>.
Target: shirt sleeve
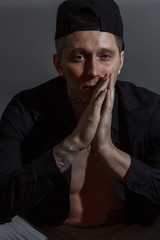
<point x="141" y="192"/>
<point x="22" y="185"/>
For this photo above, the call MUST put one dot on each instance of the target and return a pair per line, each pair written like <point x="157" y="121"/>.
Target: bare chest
<point x="90" y="174"/>
<point x="92" y="192"/>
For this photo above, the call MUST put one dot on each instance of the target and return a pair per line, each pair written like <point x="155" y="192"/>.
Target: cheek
<point x="113" y="68"/>
<point x="72" y="75"/>
<point x="72" y="71"/>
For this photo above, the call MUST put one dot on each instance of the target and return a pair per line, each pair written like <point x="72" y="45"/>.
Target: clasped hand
<point x="94" y="127"/>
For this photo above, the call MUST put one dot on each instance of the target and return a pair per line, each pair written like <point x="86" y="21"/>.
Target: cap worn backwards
<point x="107" y="11"/>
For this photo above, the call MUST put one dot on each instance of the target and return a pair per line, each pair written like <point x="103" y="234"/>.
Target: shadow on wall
<point x="26" y="44"/>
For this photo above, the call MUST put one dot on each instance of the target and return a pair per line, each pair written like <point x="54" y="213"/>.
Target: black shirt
<point x="37" y="119"/>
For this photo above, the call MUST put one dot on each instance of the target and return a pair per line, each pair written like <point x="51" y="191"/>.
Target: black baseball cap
<point x="107" y="12"/>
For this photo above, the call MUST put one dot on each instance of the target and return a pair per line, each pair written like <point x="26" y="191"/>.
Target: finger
<point x="108" y="102"/>
<point x="99" y="95"/>
<point x="103" y="84"/>
<point x="112" y="87"/>
<point x="102" y="96"/>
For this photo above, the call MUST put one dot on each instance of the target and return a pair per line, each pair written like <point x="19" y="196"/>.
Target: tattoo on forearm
<point x="64" y="155"/>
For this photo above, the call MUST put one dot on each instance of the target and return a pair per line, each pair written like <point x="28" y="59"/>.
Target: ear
<point x="57" y="64"/>
<point x="121" y="60"/>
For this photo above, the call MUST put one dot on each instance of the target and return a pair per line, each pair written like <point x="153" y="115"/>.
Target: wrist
<point x="117" y="160"/>
<point x="64" y="155"/>
<point x="74" y="143"/>
<point x="68" y="147"/>
<point x="104" y="149"/>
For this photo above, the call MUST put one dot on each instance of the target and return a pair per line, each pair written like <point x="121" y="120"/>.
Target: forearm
<point x="25" y="186"/>
<point x="140" y="193"/>
<point x="64" y="155"/>
<point x="117" y="160"/>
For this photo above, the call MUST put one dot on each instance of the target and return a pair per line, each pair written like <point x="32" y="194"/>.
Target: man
<point x="83" y="150"/>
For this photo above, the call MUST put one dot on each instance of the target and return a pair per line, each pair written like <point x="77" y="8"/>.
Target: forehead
<point x="90" y="40"/>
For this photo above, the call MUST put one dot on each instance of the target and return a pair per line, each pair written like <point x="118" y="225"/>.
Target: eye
<point x="105" y="57"/>
<point x="79" y="58"/>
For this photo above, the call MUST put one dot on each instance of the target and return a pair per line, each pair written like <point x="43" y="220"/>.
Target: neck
<point x="78" y="107"/>
<point x="77" y="111"/>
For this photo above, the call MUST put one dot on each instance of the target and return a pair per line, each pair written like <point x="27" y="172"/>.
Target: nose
<point x="92" y="68"/>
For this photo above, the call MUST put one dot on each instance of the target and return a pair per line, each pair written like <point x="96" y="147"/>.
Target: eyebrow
<point x="83" y="50"/>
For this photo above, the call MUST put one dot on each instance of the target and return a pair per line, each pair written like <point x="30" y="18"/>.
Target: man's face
<point x="87" y="57"/>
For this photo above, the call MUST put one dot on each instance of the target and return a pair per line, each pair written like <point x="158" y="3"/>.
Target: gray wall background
<point x="26" y="44"/>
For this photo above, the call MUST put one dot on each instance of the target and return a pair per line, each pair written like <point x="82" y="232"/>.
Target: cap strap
<point x="85" y="26"/>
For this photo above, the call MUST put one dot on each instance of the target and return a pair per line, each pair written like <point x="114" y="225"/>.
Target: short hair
<point x="86" y="15"/>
